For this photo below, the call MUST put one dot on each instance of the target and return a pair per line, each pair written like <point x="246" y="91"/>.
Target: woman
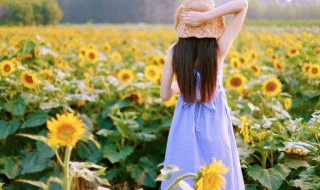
<point x="201" y="128"/>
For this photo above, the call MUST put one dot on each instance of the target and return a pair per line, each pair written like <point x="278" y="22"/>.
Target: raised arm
<point x="166" y="81"/>
<point x="237" y="7"/>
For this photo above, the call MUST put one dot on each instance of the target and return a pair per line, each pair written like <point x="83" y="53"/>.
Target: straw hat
<point x="210" y="29"/>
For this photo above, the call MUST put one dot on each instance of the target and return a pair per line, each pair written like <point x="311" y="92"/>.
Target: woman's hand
<point x="175" y="88"/>
<point x="194" y="18"/>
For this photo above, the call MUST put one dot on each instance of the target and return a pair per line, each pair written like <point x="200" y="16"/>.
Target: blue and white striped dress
<point x="201" y="132"/>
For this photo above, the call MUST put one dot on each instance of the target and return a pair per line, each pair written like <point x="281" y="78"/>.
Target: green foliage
<point x="30" y="12"/>
<point x="271" y="178"/>
<point x="129" y="138"/>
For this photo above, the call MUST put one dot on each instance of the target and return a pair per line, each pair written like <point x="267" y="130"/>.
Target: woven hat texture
<point x="210" y="29"/>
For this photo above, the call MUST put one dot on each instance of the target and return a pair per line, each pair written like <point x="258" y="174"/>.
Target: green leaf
<point x="9" y="128"/>
<point x="308" y="179"/>
<point x="35" y="119"/>
<point x="28" y="47"/>
<point x="144" y="137"/>
<point x="122" y="155"/>
<point x="34" y="162"/>
<point x="143" y="172"/>
<point x="106" y="109"/>
<point x="10" y="166"/>
<point x="89" y="171"/>
<point x="271" y="178"/>
<point x="167" y="172"/>
<point x="34" y="137"/>
<point x="16" y="106"/>
<point x="295" y="164"/>
<point x="34" y="183"/>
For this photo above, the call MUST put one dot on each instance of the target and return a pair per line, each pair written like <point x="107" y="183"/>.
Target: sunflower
<point x="152" y="59"/>
<point x="107" y="47"/>
<point x="171" y="102"/>
<point x="245" y="129"/>
<point x="270" y="52"/>
<point x="235" y="63"/>
<point x="7" y="67"/>
<point x="134" y="96"/>
<point x="133" y="49"/>
<point x="279" y="67"/>
<point x="305" y="68"/>
<point x="66" y="130"/>
<point x="47" y="73"/>
<point x="82" y="59"/>
<point x="37" y="52"/>
<point x="317" y="50"/>
<point x="262" y="135"/>
<point x="211" y="176"/>
<point x="82" y="51"/>
<point x="236" y="82"/>
<point x="152" y="73"/>
<point x="91" y="46"/>
<point x="92" y="55"/>
<point x="256" y="69"/>
<point x="253" y="55"/>
<point x="314" y="70"/>
<point x="243" y="59"/>
<point x="287" y="103"/>
<point x="161" y="61"/>
<point x="271" y="87"/>
<point x="28" y="79"/>
<point x="125" y="76"/>
<point x="116" y="56"/>
<point x="233" y="54"/>
<point x="293" y="52"/>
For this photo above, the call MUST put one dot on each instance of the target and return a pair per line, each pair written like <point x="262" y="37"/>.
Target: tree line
<point x="29" y="12"/>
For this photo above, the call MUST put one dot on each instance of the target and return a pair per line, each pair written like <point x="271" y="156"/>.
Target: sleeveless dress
<point x="201" y="132"/>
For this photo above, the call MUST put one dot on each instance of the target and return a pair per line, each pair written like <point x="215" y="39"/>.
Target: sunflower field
<point x="84" y="102"/>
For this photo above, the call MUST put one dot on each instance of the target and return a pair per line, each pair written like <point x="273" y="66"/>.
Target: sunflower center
<point x="236" y="81"/>
<point x="162" y="61"/>
<point x="255" y="69"/>
<point x="151" y="73"/>
<point x="271" y="86"/>
<point x="28" y="78"/>
<point x="134" y="97"/>
<point x="7" y="68"/>
<point x="314" y="70"/>
<point x="126" y="77"/>
<point x="293" y="51"/>
<point x="307" y="68"/>
<point x="65" y="131"/>
<point x="92" y="56"/>
<point x="279" y="66"/>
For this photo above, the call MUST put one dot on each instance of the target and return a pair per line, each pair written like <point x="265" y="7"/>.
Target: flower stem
<point x="58" y="157"/>
<point x="66" y="176"/>
<point x="180" y="179"/>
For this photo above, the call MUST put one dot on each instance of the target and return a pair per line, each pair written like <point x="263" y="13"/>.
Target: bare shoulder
<point x="171" y="48"/>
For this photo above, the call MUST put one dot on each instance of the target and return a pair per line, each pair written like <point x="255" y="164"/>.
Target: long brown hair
<point x="200" y="53"/>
